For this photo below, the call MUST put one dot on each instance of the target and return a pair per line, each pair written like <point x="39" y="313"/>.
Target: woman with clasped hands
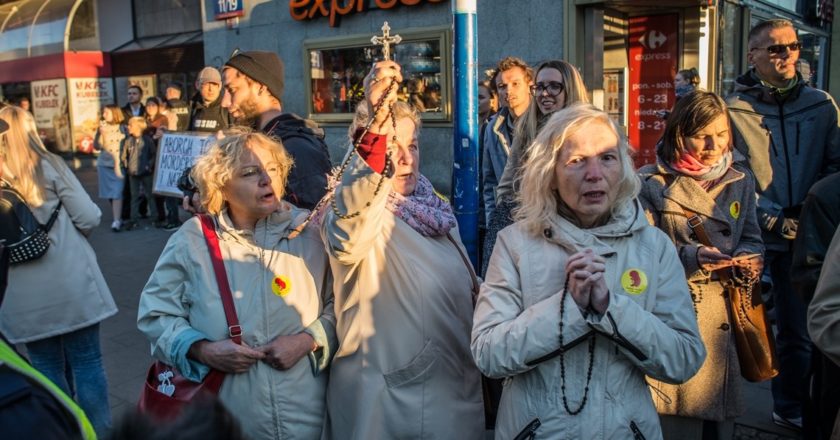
<point x="583" y="298"/>
<point x="403" y="295"/>
<point x="275" y="381"/>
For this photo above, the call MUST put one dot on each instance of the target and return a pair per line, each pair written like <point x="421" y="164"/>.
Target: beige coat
<point x="646" y="330"/>
<point x="824" y="310"/>
<point x="403" y="305"/>
<point x="714" y="393"/>
<point x="180" y="305"/>
<point x="64" y="290"/>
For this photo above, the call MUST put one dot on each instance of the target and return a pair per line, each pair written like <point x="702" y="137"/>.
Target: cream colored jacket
<point x="181" y="305"/>
<point x="649" y="329"/>
<point x="403" y="304"/>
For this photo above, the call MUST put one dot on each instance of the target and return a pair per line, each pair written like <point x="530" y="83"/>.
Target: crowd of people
<point x="600" y="306"/>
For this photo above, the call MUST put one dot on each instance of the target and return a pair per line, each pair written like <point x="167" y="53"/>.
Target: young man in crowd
<point x="206" y="111"/>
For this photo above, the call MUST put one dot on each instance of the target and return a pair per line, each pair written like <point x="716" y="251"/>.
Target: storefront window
<point x="336" y="74"/>
<point x="810" y="60"/>
<point x="731" y="48"/>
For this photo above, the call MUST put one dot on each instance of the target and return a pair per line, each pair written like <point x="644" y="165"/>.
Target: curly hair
<point x="538" y="202"/>
<point x="216" y="167"/>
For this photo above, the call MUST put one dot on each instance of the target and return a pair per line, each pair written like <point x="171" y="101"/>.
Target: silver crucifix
<point x="386" y="40"/>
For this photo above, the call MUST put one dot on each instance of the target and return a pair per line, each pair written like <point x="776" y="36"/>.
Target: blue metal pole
<point x="465" y="167"/>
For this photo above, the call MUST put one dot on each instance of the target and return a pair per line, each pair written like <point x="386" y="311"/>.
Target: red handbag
<point x="166" y="392"/>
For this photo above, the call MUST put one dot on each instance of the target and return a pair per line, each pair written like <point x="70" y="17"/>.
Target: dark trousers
<point x="135" y="182"/>
<point x="172" y="205"/>
<point x="793" y="345"/>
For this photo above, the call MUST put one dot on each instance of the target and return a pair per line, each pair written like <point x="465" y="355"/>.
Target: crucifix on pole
<point x="386" y="40"/>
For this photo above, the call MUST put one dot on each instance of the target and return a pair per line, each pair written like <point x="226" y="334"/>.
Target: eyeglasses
<point x="777" y="49"/>
<point x="553" y="88"/>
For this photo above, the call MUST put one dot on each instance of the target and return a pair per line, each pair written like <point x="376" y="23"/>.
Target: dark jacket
<point x="182" y="111"/>
<point x="127" y="114"/>
<point x="789" y="142"/>
<point x="210" y="118"/>
<point x="819" y="219"/>
<point x="304" y="140"/>
<point x="138" y="155"/>
<point x="498" y="136"/>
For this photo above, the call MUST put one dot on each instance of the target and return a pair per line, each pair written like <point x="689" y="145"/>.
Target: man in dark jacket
<point x="206" y="111"/>
<point x="135" y="105"/>
<point x="177" y="106"/>
<point x="789" y="133"/>
<point x="253" y="84"/>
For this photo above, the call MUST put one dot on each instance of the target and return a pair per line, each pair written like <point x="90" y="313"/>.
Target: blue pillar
<point x="465" y="104"/>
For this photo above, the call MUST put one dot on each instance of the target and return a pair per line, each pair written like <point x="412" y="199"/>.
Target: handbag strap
<point x="209" y="229"/>
<point x="475" y="285"/>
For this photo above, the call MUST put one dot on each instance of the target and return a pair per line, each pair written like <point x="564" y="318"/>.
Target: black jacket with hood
<point x="210" y="118"/>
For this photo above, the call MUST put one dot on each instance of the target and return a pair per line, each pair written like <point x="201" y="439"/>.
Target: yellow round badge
<point x="634" y="281"/>
<point x="735" y="210"/>
<point x="281" y="285"/>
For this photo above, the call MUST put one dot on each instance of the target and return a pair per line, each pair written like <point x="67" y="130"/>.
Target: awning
<point x="57" y="65"/>
<point x="31" y="28"/>
<point x="160" y="41"/>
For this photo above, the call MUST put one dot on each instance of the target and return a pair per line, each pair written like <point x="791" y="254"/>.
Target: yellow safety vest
<point x="10" y="358"/>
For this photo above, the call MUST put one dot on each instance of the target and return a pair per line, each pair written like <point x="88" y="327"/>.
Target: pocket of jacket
<point x="418" y="367"/>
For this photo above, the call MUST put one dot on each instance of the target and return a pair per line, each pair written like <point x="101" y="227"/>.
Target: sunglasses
<point x="553" y="88"/>
<point x="777" y="49"/>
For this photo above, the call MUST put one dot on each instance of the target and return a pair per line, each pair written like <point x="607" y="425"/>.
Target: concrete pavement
<point x="127" y="259"/>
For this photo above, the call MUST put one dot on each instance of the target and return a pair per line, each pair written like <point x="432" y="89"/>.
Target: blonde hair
<point x="216" y="167"/>
<point x="22" y="151"/>
<point x="538" y="202"/>
<point x="138" y="121"/>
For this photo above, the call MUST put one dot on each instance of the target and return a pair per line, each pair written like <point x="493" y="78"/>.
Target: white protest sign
<point x="176" y="152"/>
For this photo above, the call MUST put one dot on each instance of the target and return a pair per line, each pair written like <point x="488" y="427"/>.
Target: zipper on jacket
<point x="621" y="340"/>
<point x="770" y="136"/>
<point x="787" y="155"/>
<point x="637" y="434"/>
<point x="530" y="431"/>
<point x="797" y="138"/>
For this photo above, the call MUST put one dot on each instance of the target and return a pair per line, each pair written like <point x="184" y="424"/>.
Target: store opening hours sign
<point x="653" y="64"/>
<point x="225" y="9"/>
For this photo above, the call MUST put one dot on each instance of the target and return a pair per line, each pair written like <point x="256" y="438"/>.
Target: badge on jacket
<point x="735" y="209"/>
<point x="634" y="281"/>
<point x="281" y="285"/>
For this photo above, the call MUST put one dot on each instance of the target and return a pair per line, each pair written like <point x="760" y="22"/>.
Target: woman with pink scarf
<point x="403" y="287"/>
<point x="699" y="173"/>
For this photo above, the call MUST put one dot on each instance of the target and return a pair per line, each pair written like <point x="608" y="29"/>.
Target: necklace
<point x="563" y="362"/>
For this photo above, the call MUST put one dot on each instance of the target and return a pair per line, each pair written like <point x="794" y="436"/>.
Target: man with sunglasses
<point x="253" y="83"/>
<point x="789" y="133"/>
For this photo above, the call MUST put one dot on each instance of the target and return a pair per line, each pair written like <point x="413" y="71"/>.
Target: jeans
<point x="172" y="205"/>
<point x="78" y="353"/>
<point x="793" y="345"/>
<point x="135" y="182"/>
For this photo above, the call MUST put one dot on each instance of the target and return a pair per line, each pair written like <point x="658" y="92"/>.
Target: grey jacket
<point x="789" y="143"/>
<point x="497" y="139"/>
<point x="138" y="155"/>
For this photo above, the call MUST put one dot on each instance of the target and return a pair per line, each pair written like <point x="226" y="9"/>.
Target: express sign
<point x="225" y="9"/>
<point x="309" y="9"/>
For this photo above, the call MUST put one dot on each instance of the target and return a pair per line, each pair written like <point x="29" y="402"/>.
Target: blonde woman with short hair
<point x="276" y="380"/>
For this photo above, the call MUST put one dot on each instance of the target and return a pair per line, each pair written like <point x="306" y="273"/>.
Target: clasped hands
<point x="282" y="353"/>
<point x="710" y="258"/>
<point x="585" y="281"/>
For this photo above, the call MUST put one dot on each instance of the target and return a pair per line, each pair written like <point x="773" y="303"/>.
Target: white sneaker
<point x="789" y="423"/>
<point x="116" y="226"/>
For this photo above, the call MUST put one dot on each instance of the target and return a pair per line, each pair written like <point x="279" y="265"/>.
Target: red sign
<point x="653" y="64"/>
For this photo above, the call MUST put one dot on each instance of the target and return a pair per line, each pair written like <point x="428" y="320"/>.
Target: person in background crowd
<point x="696" y="169"/>
<point x="824" y="328"/>
<point x="254" y="84"/>
<point x="789" y="133"/>
<point x="276" y="379"/>
<point x="134" y="107"/>
<point x="54" y="304"/>
<point x="819" y="219"/>
<point x="514" y="79"/>
<point x="403" y="284"/>
<point x="583" y="298"/>
<point x="206" y="111"/>
<point x="488" y="102"/>
<point x="685" y="82"/>
<point x="24" y="103"/>
<point x="156" y="123"/>
<point x="138" y="157"/>
<point x="108" y="141"/>
<point x="180" y="112"/>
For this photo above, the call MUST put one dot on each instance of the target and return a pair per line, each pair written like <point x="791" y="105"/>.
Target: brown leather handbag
<point x="753" y="335"/>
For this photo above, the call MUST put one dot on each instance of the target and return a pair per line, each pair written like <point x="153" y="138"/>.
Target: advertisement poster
<point x="148" y="83"/>
<point x="176" y="152"/>
<point x="52" y="113"/>
<point x="87" y="98"/>
<point x="653" y="64"/>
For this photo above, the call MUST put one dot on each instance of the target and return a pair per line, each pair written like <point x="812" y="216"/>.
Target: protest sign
<point x="176" y="152"/>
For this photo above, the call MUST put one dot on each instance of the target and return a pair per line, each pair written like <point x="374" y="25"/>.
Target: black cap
<point x="265" y="68"/>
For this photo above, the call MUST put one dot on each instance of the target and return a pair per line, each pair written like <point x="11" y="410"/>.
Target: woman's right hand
<point x="585" y="272"/>
<point x="709" y="258"/>
<point x="225" y="355"/>
<point x="377" y="82"/>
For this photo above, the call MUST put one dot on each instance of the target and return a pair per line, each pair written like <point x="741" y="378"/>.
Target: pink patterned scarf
<point x="424" y="210"/>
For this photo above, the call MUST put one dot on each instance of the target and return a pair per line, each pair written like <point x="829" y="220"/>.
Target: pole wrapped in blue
<point x="465" y="198"/>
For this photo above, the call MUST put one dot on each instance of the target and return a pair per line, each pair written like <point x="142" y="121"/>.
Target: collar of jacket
<point x="499" y="124"/>
<point x="685" y="192"/>
<point x="748" y="84"/>
<point x="272" y="229"/>
<point x="290" y="122"/>
<point x="627" y="220"/>
<point x="198" y="101"/>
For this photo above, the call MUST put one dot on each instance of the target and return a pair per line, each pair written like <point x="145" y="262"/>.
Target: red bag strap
<point x="209" y="229"/>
